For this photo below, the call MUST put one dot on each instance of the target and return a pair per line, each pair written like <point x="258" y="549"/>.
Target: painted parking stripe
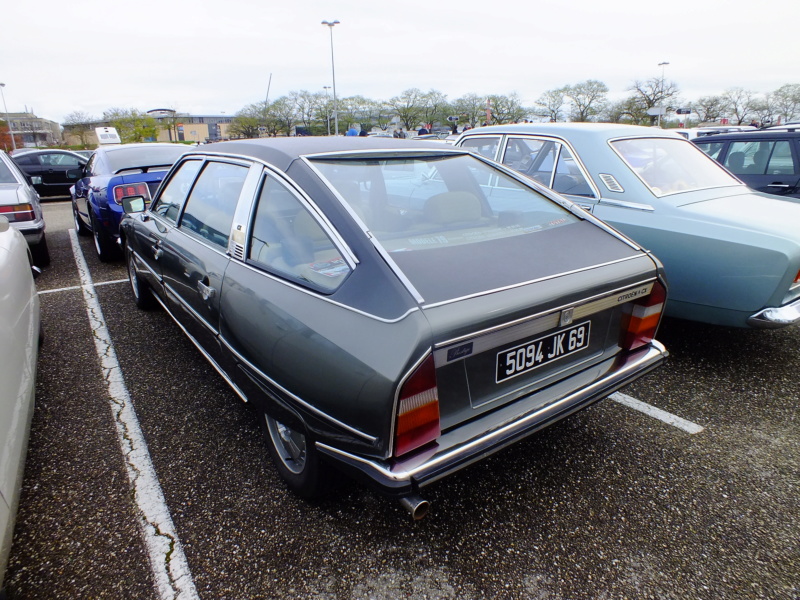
<point x="167" y="560"/>
<point x="657" y="413"/>
<point x="78" y="287"/>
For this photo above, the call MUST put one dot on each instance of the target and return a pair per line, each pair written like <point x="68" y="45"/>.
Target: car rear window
<point x="144" y="156"/>
<point x="670" y="166"/>
<point x="428" y="211"/>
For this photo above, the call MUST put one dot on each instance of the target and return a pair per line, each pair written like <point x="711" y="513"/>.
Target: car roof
<point x="281" y="152"/>
<point x="48" y="151"/>
<point x="576" y="131"/>
<point x="761" y="134"/>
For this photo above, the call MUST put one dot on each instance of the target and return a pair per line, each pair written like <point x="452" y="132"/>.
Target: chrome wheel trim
<point x="290" y="445"/>
<point x="96" y="236"/>
<point x="133" y="277"/>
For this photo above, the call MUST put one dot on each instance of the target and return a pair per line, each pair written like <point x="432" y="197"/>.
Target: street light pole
<point x="661" y="97"/>
<point x="327" y="114"/>
<point x="8" y="121"/>
<point x="330" y="25"/>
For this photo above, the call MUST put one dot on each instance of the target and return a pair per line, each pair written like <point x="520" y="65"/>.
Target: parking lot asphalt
<point x="607" y="504"/>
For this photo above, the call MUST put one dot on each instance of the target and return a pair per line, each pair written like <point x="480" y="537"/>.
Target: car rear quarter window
<point x="212" y="202"/>
<point x="288" y="240"/>
<point x="481" y="144"/>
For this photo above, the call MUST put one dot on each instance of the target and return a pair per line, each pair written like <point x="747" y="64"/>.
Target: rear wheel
<point x="295" y="457"/>
<point x="142" y="294"/>
<point x="103" y="244"/>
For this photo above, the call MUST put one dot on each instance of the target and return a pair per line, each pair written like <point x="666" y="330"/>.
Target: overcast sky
<point x="204" y="57"/>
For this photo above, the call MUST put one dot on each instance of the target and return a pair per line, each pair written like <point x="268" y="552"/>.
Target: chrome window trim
<point x="340" y="243"/>
<point x="625" y="204"/>
<point x="532" y="281"/>
<point x="298" y="399"/>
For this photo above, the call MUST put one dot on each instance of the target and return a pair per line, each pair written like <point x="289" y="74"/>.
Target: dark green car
<point x="398" y="309"/>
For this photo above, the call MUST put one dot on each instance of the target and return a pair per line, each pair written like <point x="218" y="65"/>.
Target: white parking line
<point x="657" y="413"/>
<point x="78" y="287"/>
<point x="167" y="561"/>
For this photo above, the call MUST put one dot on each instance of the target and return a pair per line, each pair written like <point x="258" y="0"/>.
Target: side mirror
<point x="36" y="180"/>
<point x="76" y="173"/>
<point x="133" y="204"/>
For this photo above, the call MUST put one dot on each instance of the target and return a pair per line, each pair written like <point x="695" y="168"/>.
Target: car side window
<point x="713" y="150"/>
<point x="484" y="145"/>
<point x="287" y="239"/>
<point x="780" y="162"/>
<point x="569" y="178"/>
<point x="169" y="203"/>
<point x="212" y="202"/>
<point x="27" y="161"/>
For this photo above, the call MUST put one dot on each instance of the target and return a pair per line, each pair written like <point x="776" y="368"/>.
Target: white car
<point x="19" y="347"/>
<point x="19" y="204"/>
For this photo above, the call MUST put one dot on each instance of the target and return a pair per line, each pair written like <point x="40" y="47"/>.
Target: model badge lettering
<point x="634" y="294"/>
<point x="459" y="352"/>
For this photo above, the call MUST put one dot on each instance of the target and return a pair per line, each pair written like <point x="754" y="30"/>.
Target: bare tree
<point x="550" y="105"/>
<point x="507" y="109"/>
<point x="470" y="109"/>
<point x="655" y="92"/>
<point x="409" y="107"/>
<point x="738" y="103"/>
<point x="786" y="101"/>
<point x="131" y="124"/>
<point x="709" y="109"/>
<point x="588" y="99"/>
<point x="247" y="121"/>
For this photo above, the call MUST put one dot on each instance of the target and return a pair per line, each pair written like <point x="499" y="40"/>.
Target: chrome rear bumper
<point x="774" y="318"/>
<point x="455" y="451"/>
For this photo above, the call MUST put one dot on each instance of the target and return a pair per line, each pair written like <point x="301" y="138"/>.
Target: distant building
<point x="173" y="127"/>
<point x="31" y="131"/>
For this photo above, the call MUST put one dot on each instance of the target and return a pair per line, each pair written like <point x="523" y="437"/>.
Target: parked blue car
<point x="732" y="255"/>
<point x="114" y="172"/>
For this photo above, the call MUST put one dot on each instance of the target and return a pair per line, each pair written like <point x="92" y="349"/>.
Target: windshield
<point x="669" y="166"/>
<point x="444" y="219"/>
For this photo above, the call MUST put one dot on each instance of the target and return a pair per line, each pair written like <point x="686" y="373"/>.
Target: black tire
<point x="103" y="244"/>
<point x="80" y="227"/>
<point x="142" y="294"/>
<point x="295" y="458"/>
<point x="40" y="253"/>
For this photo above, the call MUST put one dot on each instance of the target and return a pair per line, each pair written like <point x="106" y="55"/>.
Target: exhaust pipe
<point x="416" y="506"/>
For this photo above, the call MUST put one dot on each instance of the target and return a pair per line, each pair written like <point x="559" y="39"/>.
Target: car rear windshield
<point x="456" y="210"/>
<point x="670" y="166"/>
<point x="143" y="156"/>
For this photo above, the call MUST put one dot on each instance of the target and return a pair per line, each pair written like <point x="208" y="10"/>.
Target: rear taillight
<point x="18" y="212"/>
<point x="797" y="279"/>
<point x="641" y="317"/>
<point x="418" y="410"/>
<point x="131" y="189"/>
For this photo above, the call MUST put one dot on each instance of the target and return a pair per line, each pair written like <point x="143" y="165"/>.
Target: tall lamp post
<point x="661" y="98"/>
<point x="330" y="25"/>
<point x="327" y="114"/>
<point x="8" y="121"/>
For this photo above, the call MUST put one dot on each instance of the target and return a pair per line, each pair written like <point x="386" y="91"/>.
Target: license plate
<point x="541" y="351"/>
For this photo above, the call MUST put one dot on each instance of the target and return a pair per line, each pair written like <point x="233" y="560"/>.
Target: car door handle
<point x="780" y="185"/>
<point x="157" y="251"/>
<point x="206" y="291"/>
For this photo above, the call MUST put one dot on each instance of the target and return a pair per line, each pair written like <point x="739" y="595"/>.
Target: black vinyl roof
<point x="280" y="152"/>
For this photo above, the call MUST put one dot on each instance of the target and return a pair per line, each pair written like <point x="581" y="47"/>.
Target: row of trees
<point x="584" y="101"/>
<point x="313" y="113"/>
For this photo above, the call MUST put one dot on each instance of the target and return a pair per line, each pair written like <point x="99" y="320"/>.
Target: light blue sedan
<point x="732" y="255"/>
